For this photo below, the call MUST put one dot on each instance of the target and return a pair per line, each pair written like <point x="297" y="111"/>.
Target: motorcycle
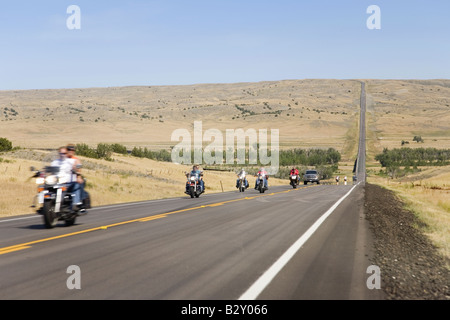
<point x="194" y="188"/>
<point x="241" y="184"/>
<point x="54" y="198"/>
<point x="260" y="185"/>
<point x="293" y="180"/>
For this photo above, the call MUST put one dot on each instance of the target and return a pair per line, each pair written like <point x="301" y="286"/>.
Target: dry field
<point x="308" y="113"/>
<point x="399" y="110"/>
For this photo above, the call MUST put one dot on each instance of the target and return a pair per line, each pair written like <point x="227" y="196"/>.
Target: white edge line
<point x="15" y="219"/>
<point x="263" y="281"/>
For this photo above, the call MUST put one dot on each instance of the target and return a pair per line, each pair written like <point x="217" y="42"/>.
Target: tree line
<point x="309" y="157"/>
<point x="413" y="157"/>
<point x="289" y="157"/>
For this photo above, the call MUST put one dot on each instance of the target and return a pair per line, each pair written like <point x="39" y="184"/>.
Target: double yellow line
<point x="27" y="245"/>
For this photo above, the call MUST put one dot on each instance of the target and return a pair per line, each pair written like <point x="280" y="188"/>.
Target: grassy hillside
<point x="399" y="110"/>
<point x="308" y="113"/>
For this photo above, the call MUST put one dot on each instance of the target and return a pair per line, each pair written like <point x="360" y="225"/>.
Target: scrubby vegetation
<point x="5" y="145"/>
<point x="103" y="150"/>
<point x="309" y="157"/>
<point x="162" y="155"/>
<point x="404" y="161"/>
<point x="414" y="157"/>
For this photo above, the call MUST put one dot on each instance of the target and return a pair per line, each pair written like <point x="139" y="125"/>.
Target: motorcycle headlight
<point x="192" y="178"/>
<point x="51" y="180"/>
<point x="241" y="177"/>
<point x="40" y="181"/>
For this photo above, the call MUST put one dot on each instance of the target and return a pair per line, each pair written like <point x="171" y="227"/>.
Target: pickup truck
<point x="311" y="176"/>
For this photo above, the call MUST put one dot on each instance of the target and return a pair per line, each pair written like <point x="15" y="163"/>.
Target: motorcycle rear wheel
<point x="70" y="221"/>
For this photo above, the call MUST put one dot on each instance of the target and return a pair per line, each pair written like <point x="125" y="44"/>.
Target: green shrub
<point x="5" y="145"/>
<point x="86" y="151"/>
<point x="118" y="148"/>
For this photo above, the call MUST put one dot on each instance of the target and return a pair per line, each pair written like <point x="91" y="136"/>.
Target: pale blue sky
<point x="160" y="42"/>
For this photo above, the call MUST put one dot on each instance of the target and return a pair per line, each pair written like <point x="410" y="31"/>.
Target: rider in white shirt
<point x="66" y="166"/>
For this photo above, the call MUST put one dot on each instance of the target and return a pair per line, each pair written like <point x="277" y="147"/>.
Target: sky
<point x="173" y="42"/>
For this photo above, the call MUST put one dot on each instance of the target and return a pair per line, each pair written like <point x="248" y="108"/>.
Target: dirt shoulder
<point x="411" y="268"/>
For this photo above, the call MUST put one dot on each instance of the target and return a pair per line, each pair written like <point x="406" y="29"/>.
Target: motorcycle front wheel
<point x="49" y="214"/>
<point x="261" y="187"/>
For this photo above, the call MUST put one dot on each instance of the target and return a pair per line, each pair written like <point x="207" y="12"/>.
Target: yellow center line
<point x="12" y="249"/>
<point x="27" y="245"/>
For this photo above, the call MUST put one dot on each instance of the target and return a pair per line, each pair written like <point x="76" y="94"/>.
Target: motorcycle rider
<point x="66" y="167"/>
<point x="262" y="171"/>
<point x="242" y="172"/>
<point x="199" y="174"/>
<point x="77" y="177"/>
<point x="294" y="172"/>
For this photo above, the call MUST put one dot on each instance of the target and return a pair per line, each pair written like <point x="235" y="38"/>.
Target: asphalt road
<point x="361" y="160"/>
<point x="214" y="247"/>
<point x="288" y="244"/>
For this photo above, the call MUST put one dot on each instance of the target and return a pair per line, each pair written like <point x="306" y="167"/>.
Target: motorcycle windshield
<point x="51" y="170"/>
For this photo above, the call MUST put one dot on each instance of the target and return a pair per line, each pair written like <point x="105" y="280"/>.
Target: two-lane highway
<point x="214" y="247"/>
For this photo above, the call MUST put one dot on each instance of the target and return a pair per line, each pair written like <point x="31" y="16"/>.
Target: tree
<point x="5" y="145"/>
<point x="418" y="139"/>
<point x="104" y="151"/>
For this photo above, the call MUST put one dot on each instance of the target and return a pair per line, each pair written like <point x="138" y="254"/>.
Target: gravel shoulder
<point x="411" y="268"/>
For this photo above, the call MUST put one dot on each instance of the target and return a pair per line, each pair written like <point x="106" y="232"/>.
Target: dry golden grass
<point x="17" y="191"/>
<point x="427" y="194"/>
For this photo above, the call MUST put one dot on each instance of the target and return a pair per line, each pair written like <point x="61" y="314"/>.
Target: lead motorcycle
<point x="54" y="198"/>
